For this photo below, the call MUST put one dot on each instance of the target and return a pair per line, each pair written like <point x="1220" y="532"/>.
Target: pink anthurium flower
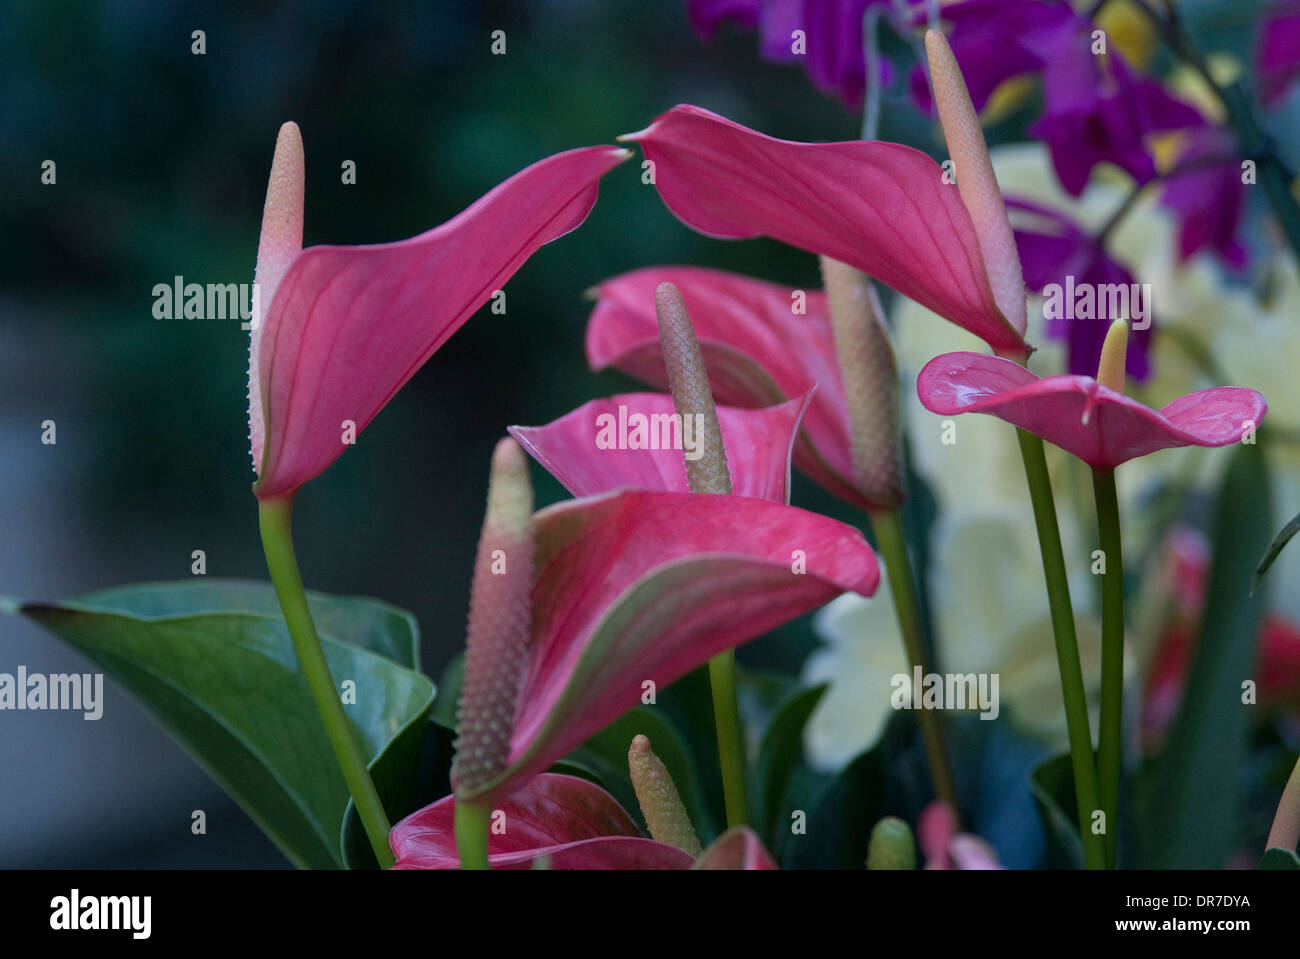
<point x="762" y="342"/>
<point x="563" y="822"/>
<point x="886" y="209"/>
<point x="344" y="327"/>
<point x="1099" y="425"/>
<point x="628" y="441"/>
<point x="626" y="588"/>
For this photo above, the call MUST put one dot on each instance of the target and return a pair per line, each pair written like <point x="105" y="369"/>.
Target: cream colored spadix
<point x="279" y="243"/>
<point x="976" y="181"/>
<point x="1114" y="354"/>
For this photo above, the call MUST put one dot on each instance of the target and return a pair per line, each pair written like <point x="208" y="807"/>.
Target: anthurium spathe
<point x="763" y="343"/>
<point x="344" y="327"/>
<point x="567" y="822"/>
<point x="634" y="587"/>
<point x="638" y="440"/>
<point x="563" y="822"/>
<point x="883" y="208"/>
<point x="1096" y="423"/>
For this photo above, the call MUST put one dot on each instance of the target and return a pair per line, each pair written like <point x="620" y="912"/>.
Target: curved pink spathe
<point x="566" y="821"/>
<point x="636" y="440"/>
<point x="880" y="207"/>
<point x="763" y="343"/>
<point x="1100" y="426"/>
<point x="349" y="325"/>
<point x="634" y="587"/>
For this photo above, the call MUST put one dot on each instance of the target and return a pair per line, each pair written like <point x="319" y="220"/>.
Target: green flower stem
<point x="887" y="526"/>
<point x="731" y="756"/>
<point x="471" y="827"/>
<point x="274" y="517"/>
<point x="1067" y="645"/>
<point x="1110" y="737"/>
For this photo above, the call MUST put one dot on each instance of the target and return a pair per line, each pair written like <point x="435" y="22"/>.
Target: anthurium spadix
<point x="886" y="209"/>
<point x="342" y="328"/>
<point x="763" y="343"/>
<point x="631" y="590"/>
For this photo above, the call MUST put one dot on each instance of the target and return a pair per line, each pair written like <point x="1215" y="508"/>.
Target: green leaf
<point x="1187" y="797"/>
<point x="1279" y="858"/>
<point x="1052" y="785"/>
<point x="226" y="685"/>
<point x="1275" y="547"/>
<point x="359" y="620"/>
<point x="779" y="755"/>
<point x="603" y="759"/>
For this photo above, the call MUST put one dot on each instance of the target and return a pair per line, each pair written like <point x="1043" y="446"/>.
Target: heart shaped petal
<point x="763" y="343"/>
<point x="635" y="587"/>
<point x="636" y="440"/>
<point x="569" y="822"/>
<point x="881" y="207"/>
<point x="1100" y="426"/>
<point x="349" y="325"/>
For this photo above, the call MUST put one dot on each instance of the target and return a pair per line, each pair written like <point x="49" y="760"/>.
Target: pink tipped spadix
<point x="661" y="805"/>
<point x="279" y="243"/>
<point x="1099" y="425"/>
<point x="348" y="326"/>
<point x="881" y="207"/>
<point x="688" y="380"/>
<point x="870" y="375"/>
<point x="976" y="181"/>
<point x="500" y="609"/>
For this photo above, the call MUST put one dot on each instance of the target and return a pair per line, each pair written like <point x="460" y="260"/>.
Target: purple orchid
<point x="832" y="56"/>
<point x="1056" y="250"/>
<point x="1277" y="54"/>
<point x="1208" y="196"/>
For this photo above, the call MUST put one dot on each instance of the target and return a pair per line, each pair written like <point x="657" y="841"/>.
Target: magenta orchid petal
<point x="1277" y="53"/>
<point x="566" y="821"/>
<point x="881" y="207"/>
<point x="738" y="848"/>
<point x="758" y="350"/>
<point x="1100" y="426"/>
<point x="638" y="586"/>
<point x="588" y="451"/>
<point x="349" y="325"/>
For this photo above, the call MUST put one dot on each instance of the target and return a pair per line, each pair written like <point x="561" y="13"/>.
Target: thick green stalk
<point x="1110" y="737"/>
<point x="471" y="826"/>
<point x="1067" y="645"/>
<point x="274" y="518"/>
<point x="888" y="528"/>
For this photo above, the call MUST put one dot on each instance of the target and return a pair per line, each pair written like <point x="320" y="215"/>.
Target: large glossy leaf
<point x="227" y="686"/>
<point x="1193" y="789"/>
